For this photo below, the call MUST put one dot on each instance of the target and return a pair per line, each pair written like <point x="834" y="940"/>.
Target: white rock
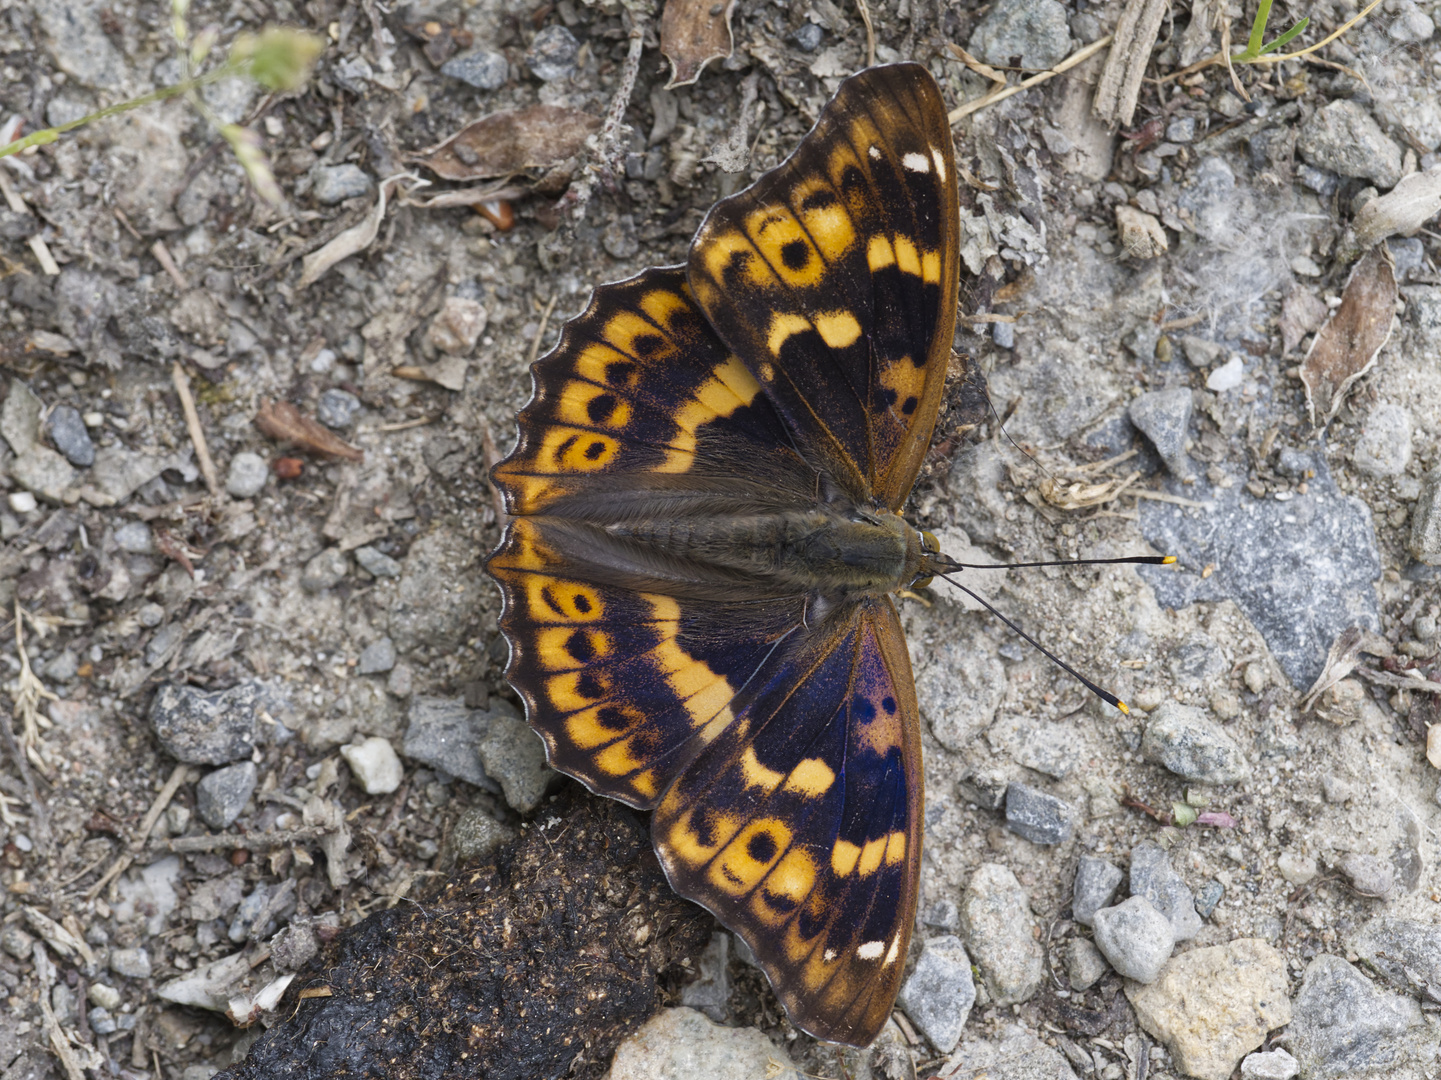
<point x="682" y="1044"/>
<point x="374" y="764"/>
<point x="1227" y="376"/>
<point x="22" y="502"/>
<point x="1274" y="1065"/>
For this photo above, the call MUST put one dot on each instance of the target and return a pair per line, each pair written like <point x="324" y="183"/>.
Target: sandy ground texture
<point x="256" y="687"/>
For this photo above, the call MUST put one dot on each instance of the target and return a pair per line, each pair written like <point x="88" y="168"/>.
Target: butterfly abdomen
<point x="806" y="551"/>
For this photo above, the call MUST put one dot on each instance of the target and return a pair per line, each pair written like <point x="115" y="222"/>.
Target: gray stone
<point x="1182" y="739"/>
<point x="445" y="735"/>
<point x="119" y="472"/>
<point x="163" y="643"/>
<point x="959" y="688"/>
<point x="1403" y="952"/>
<point x="1040" y="818"/>
<point x="1135" y="938"/>
<point x="1046" y="748"/>
<point x="1425" y="541"/>
<point x="16" y="942"/>
<point x="336" y="183"/>
<point x="221" y="795"/>
<point x="337" y="409"/>
<point x="376" y="657"/>
<point x="1272" y="1065"/>
<point x="135" y="538"/>
<point x="1181" y="130"/>
<point x="1036" y="31"/>
<point x="1384" y="448"/>
<point x="247" y="475"/>
<point x="1300" y="570"/>
<point x="943" y="914"/>
<point x="512" y="754"/>
<point x="215" y="728"/>
<point x="476" y="834"/>
<point x="61" y="667"/>
<point x="552" y="54"/>
<point x="1410" y="26"/>
<point x="1001" y="935"/>
<point x="1201" y="353"/>
<point x="1343" y="138"/>
<point x="808" y="37"/>
<point x="440" y="585"/>
<point x="1344" y="1026"/>
<point x="1197" y="660"/>
<point x="77" y="40"/>
<point x="681" y="1043"/>
<point x="1320" y="181"/>
<point x="1209" y="896"/>
<point x="101" y="1022"/>
<point x="1085" y="966"/>
<point x="1423" y="306"/>
<point x="1095" y="885"/>
<point x="324" y="571"/>
<point x="480" y="68"/>
<point x="247" y="921"/>
<point x="1153" y="877"/>
<point x="376" y="562"/>
<point x="1016" y="1055"/>
<point x="940" y="992"/>
<point x="1164" y="416"/>
<point x="131" y="963"/>
<point x="70" y="436"/>
<point x="619" y="238"/>
<point x="1369" y="875"/>
<point x="710" y="990"/>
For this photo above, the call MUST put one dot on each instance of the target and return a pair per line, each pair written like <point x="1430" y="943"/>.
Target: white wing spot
<point x="894" y="951"/>
<point x="875" y="153"/>
<point x="940" y="160"/>
<point x="870" y="950"/>
<point x="916" y="162"/>
<point x="830" y="954"/>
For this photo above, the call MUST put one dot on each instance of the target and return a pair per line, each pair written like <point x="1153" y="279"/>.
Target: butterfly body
<point x="696" y="580"/>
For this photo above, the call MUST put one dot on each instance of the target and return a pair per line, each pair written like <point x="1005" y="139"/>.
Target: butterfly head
<point x="932" y="561"/>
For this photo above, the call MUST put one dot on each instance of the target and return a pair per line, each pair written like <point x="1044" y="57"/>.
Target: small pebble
<point x="1272" y="1065"/>
<point x="552" y="54"/>
<point x="101" y="1022"/>
<point x="808" y="37"/>
<point x="104" y="995"/>
<point x="22" y="502"/>
<point x="477" y="834"/>
<point x="220" y="797"/>
<point x="16" y="942"/>
<point x="336" y="183"/>
<point x="1181" y="130"/>
<point x="1370" y="875"/>
<point x="216" y="727"/>
<point x="1183" y="740"/>
<point x="150" y="615"/>
<point x="337" y="409"/>
<point x="480" y="68"/>
<point x="1153" y="877"/>
<point x="135" y="538"/>
<point x="1164" y="417"/>
<point x="709" y="990"/>
<point x="131" y="963"/>
<point x="1040" y="818"/>
<point x="376" y="562"/>
<point x="1085" y="966"/>
<point x="247" y="475"/>
<point x="1095" y="885"/>
<point x="1002" y="935"/>
<point x="375" y="765"/>
<point x="1296" y="868"/>
<point x="324" y="571"/>
<point x="1135" y="938"/>
<point x="458" y="325"/>
<point x="68" y="433"/>
<point x="1384" y="448"/>
<point x="940" y="992"/>
<point x="378" y="656"/>
<point x="1226" y="377"/>
<point x="1208" y="897"/>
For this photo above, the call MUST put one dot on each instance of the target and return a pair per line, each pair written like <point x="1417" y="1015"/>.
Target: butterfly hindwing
<point x="834" y="276"/>
<point x="799" y="826"/>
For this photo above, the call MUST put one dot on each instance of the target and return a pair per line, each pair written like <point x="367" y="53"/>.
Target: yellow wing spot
<point x="586" y="403"/>
<point x="749" y="857"/>
<point x="567" y="695"/>
<point x="645" y="785"/>
<point x="568" y="449"/>
<point x="783" y="326"/>
<point x="843" y="857"/>
<point x="931" y="267"/>
<point x="661" y="305"/>
<point x="522" y="553"/>
<point x="686" y="842"/>
<point x="767" y="372"/>
<point x="880" y="254"/>
<point x="627" y="330"/>
<point x="563" y="648"/>
<point x="756" y="774"/>
<point x="720" y="248"/>
<point x="729" y="388"/>
<point x="831" y="229"/>
<point x="896" y="848"/>
<point x="554" y="600"/>
<point x="838" y="329"/>
<point x="907" y="258"/>
<point x="617" y="759"/>
<point x="791" y="880"/>
<point x="589" y="729"/>
<point x="783" y="243"/>
<point x="601" y="364"/>
<point x="812" y="777"/>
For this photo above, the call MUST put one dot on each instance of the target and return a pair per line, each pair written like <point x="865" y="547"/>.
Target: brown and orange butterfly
<point x="697" y="576"/>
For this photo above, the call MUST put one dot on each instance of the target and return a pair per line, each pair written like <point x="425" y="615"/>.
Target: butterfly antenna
<point x="1105" y="695"/>
<point x="949" y="564"/>
<point x="1001" y="427"/>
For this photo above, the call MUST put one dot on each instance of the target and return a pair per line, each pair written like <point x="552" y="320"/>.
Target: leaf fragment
<point x="692" y="34"/>
<point x="282" y="420"/>
<point x="1348" y="345"/>
<point x="509" y="142"/>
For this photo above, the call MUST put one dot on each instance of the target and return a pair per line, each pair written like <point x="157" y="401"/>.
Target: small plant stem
<point x="48" y="135"/>
<point x="1272" y="58"/>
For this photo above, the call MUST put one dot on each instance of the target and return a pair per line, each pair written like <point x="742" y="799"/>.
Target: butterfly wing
<point x="835" y="277"/>
<point x="800" y="825"/>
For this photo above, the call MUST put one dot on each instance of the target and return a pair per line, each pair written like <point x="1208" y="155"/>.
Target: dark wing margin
<point x="835" y="278"/>
<point x="800" y="825"/>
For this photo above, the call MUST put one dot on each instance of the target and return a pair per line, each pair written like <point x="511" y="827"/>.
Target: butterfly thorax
<point x="822" y="551"/>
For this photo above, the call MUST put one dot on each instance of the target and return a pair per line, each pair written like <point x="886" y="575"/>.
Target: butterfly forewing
<point x="834" y="277"/>
<point x="797" y="358"/>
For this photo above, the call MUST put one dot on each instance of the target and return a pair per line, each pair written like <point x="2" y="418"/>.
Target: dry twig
<point x="178" y="776"/>
<point x="1077" y="57"/>
<point x="192" y="426"/>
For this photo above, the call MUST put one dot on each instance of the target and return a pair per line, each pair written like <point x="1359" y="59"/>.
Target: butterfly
<point x="705" y="539"/>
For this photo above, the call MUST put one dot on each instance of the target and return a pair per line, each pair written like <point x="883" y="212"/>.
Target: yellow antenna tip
<point x="1122" y="706"/>
<point x="1168" y="560"/>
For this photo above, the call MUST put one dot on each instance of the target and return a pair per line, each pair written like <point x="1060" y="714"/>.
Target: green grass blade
<point x="1286" y="37"/>
<point x="1258" y="30"/>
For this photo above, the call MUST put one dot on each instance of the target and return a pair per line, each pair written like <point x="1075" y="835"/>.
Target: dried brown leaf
<point x="282" y="420"/>
<point x="1403" y="209"/>
<point x="1347" y="346"/>
<point x="692" y="34"/>
<point x="351" y="242"/>
<point x="1341" y="660"/>
<point x="510" y="141"/>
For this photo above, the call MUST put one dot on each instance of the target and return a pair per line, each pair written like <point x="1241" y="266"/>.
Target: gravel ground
<point x="257" y="690"/>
